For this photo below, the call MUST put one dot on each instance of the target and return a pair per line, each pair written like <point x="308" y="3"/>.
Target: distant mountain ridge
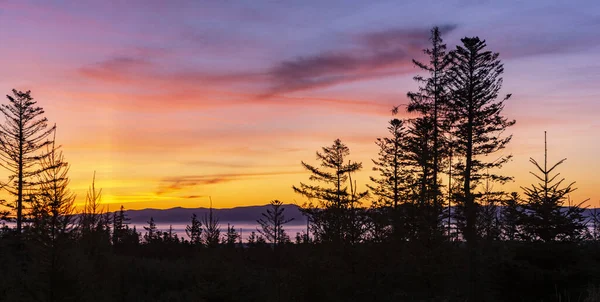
<point x="237" y="214"/>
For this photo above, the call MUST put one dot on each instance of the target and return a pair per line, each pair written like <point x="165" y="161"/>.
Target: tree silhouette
<point x="53" y="207"/>
<point x="271" y="225"/>
<point x="231" y="236"/>
<point x="91" y="217"/>
<point x="23" y="137"/>
<point x="431" y="102"/>
<point x="194" y="231"/>
<point x="211" y="231"/>
<point x="545" y="218"/>
<point x="476" y="112"/>
<point x="152" y="233"/>
<point x="120" y="226"/>
<point x="392" y="186"/>
<point x="332" y="218"/>
<point x="423" y="215"/>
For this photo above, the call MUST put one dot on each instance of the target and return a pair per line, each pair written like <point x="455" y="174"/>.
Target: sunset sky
<point x="174" y="101"/>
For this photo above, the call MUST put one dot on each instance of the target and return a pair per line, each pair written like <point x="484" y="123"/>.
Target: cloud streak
<point x="174" y="184"/>
<point x="370" y="55"/>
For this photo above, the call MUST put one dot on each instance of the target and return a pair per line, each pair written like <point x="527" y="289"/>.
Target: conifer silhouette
<point x="271" y="225"/>
<point x="23" y="138"/>
<point x="476" y="113"/>
<point x="332" y="220"/>
<point x="431" y="102"/>
<point x="546" y="217"/>
<point x="194" y="231"/>
<point x="392" y="186"/>
<point x="211" y="228"/>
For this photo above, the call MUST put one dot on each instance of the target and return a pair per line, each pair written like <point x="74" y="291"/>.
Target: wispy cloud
<point x="193" y="196"/>
<point x="371" y="54"/>
<point x="174" y="184"/>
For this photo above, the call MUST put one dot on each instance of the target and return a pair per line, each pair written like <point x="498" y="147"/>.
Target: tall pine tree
<point x="53" y="207"/>
<point x="476" y="113"/>
<point x="391" y="187"/>
<point x="430" y="101"/>
<point x="23" y="137"/>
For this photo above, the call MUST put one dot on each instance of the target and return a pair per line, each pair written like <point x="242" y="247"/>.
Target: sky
<point x="170" y="102"/>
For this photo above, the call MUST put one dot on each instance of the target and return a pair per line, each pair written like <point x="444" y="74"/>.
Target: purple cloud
<point x="371" y="54"/>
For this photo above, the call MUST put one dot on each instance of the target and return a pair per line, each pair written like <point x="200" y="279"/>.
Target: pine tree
<point x="53" y="207"/>
<point x="91" y="217"/>
<point x="120" y="224"/>
<point x="152" y="233"/>
<point x="194" y="231"/>
<point x="23" y="137"/>
<point x="422" y="215"/>
<point x="332" y="220"/>
<point x="476" y="113"/>
<point x="431" y="102"/>
<point x="271" y="225"/>
<point x="211" y="228"/>
<point x="392" y="186"/>
<point x="231" y="236"/>
<point x="545" y="216"/>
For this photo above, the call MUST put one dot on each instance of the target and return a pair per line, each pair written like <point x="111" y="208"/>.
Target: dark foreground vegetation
<point x="508" y="271"/>
<point x="434" y="224"/>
